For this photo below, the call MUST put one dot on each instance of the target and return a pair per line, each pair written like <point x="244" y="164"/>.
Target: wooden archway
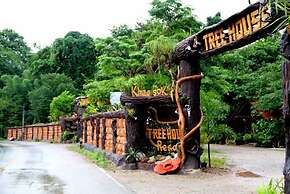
<point x="253" y="23"/>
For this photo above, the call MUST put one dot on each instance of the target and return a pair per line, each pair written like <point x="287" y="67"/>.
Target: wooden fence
<point x="106" y="131"/>
<point x="113" y="132"/>
<point x="41" y="132"/>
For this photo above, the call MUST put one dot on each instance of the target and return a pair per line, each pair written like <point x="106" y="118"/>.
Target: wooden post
<point x="85" y="132"/>
<point x="104" y="134"/>
<point x="191" y="91"/>
<point x="97" y="131"/>
<point x="92" y="120"/>
<point x="186" y="54"/>
<point x="114" y="132"/>
<point x="285" y="48"/>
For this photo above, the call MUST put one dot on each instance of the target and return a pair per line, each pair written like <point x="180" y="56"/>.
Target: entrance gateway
<point x="170" y="131"/>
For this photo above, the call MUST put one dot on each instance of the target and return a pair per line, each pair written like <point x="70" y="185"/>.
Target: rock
<point x="130" y="166"/>
<point x="151" y="160"/>
<point x="141" y="157"/>
<point x="145" y="166"/>
<point x="163" y="159"/>
<point x="159" y="158"/>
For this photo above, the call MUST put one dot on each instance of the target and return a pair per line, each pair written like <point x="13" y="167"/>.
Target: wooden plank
<point x="145" y="100"/>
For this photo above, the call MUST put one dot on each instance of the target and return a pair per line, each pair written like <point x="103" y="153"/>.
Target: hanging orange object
<point x="168" y="166"/>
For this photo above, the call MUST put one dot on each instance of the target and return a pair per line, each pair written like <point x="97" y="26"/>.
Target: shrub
<point x="66" y="135"/>
<point x="61" y="105"/>
<point x="268" y="133"/>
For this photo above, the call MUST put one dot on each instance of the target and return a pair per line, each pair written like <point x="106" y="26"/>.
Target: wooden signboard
<point x="135" y="91"/>
<point x="251" y="24"/>
<point x="164" y="140"/>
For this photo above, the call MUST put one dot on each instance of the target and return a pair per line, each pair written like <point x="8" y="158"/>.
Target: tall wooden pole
<point x="187" y="56"/>
<point x="285" y="48"/>
<point x="191" y="91"/>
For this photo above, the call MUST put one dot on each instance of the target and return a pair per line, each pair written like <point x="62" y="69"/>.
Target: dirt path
<point x="267" y="163"/>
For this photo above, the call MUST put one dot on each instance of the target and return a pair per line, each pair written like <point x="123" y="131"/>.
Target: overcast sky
<point x="42" y="21"/>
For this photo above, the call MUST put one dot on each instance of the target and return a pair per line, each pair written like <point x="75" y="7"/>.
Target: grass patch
<point x="217" y="159"/>
<point x="99" y="158"/>
<point x="212" y="151"/>
<point x="2" y="139"/>
<point x="275" y="186"/>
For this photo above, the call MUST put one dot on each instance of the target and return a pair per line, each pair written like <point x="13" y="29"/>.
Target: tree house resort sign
<point x="256" y="21"/>
<point x="237" y="29"/>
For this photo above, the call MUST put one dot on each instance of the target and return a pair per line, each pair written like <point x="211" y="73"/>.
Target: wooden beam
<point x="146" y="100"/>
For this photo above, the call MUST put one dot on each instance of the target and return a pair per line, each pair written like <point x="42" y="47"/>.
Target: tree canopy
<point x="239" y="86"/>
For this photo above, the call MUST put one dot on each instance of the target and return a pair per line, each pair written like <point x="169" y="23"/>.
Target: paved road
<point x="40" y="168"/>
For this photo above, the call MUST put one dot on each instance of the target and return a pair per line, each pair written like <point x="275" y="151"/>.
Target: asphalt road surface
<point x="41" y="168"/>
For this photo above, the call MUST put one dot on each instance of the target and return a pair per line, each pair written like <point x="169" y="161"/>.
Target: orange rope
<point x="181" y="120"/>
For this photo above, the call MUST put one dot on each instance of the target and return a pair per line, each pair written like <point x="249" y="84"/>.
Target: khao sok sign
<point x="256" y="21"/>
<point x="136" y="91"/>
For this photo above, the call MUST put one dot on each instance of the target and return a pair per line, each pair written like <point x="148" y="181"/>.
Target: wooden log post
<point x="97" y="131"/>
<point x="114" y="132"/>
<point x="285" y="48"/>
<point x="186" y="55"/>
<point x="191" y="91"/>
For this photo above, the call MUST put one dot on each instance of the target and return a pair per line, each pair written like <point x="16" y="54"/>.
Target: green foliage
<point x="41" y="63"/>
<point x="131" y="155"/>
<point x="11" y="41"/>
<point x="216" y="161"/>
<point x="45" y="88"/>
<point x="61" y="105"/>
<point x="175" y="17"/>
<point x="149" y="81"/>
<point x="159" y="51"/>
<point x="118" y="57"/>
<point x="268" y="133"/>
<point x="13" y="100"/>
<point x="284" y="7"/>
<point x="142" y="56"/>
<point x="215" y="111"/>
<point x="14" y="53"/>
<point x="122" y="30"/>
<point x="99" y="91"/>
<point x="273" y="187"/>
<point x="67" y="136"/>
<point x="211" y="20"/>
<point x="74" y="55"/>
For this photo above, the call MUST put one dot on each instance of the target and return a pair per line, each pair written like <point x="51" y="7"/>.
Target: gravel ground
<point x="266" y="163"/>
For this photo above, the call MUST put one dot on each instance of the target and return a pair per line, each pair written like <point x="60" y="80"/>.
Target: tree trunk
<point x="285" y="47"/>
<point x="191" y="90"/>
<point x="287" y="157"/>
